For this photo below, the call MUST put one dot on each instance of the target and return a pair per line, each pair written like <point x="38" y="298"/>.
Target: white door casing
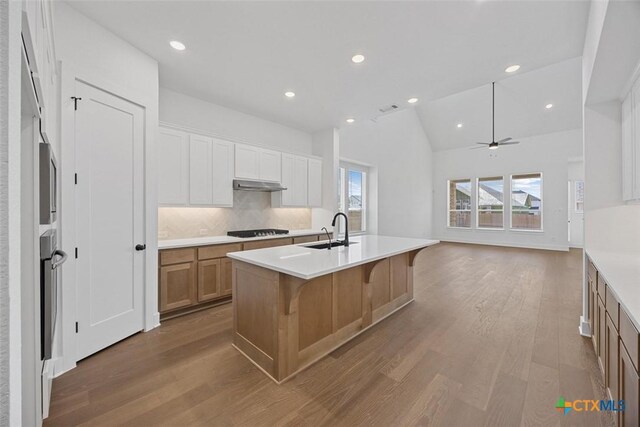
<point x="109" y="200"/>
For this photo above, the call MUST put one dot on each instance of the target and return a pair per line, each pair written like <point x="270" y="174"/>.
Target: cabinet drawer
<point x="304" y="239"/>
<point x="613" y="307"/>
<point x="270" y="243"/>
<point x="177" y="256"/>
<point x="218" y="251"/>
<point x="629" y="337"/>
<point x="593" y="273"/>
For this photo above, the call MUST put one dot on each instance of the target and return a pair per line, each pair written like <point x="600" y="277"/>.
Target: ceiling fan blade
<point x="483" y="143"/>
<point x="504" y="140"/>
<point x="476" y="148"/>
<point x="510" y="143"/>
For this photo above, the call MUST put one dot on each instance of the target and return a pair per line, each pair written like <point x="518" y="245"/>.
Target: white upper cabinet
<point x="257" y="163"/>
<point x="173" y="167"/>
<point x="315" y="183"/>
<point x="247" y="162"/>
<point x="222" y="173"/>
<point x="194" y="170"/>
<point x="200" y="170"/>
<point x="285" y="197"/>
<point x="300" y="180"/>
<point x="631" y="144"/>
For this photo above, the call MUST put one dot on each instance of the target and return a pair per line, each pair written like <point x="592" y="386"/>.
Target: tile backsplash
<point x="250" y="210"/>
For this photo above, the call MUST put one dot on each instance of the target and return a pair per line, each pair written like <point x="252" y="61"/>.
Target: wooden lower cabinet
<point x="177" y="286"/>
<point x="629" y="390"/>
<point x="226" y="278"/>
<point x="612" y="346"/>
<point x="600" y="331"/>
<point x="209" y="279"/>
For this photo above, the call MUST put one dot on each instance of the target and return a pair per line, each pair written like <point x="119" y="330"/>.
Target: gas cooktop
<point x="257" y="233"/>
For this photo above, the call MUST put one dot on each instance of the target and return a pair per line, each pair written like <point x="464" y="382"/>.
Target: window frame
<point x="477" y="203"/>
<point x="526" y="230"/>
<point x="449" y="210"/>
<point x="344" y="190"/>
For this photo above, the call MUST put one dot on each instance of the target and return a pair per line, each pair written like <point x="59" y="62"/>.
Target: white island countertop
<point x="307" y="263"/>
<point x="219" y="240"/>
<point x="621" y="271"/>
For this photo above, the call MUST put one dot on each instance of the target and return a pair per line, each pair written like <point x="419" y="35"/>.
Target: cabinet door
<point x="270" y="163"/>
<point x="602" y="314"/>
<point x="247" y="162"/>
<point x="629" y="391"/>
<point x="177" y="286"/>
<point x="222" y="173"/>
<point x="592" y="305"/>
<point x="208" y="279"/>
<point x="200" y="170"/>
<point x="226" y="278"/>
<point x="594" y="317"/>
<point x="627" y="149"/>
<point x="287" y="196"/>
<point x="611" y="358"/>
<point x="173" y="167"/>
<point x="635" y="131"/>
<point x="300" y="178"/>
<point x="314" y="198"/>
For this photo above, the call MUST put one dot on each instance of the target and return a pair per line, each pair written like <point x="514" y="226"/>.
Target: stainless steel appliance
<point x="265" y="186"/>
<point x="48" y="185"/>
<point x="50" y="259"/>
<point x="257" y="233"/>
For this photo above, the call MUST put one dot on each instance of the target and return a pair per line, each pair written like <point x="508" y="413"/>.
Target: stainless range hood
<point x="246" y="185"/>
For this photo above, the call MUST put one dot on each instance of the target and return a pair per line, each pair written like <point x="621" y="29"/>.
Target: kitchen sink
<point x="326" y="245"/>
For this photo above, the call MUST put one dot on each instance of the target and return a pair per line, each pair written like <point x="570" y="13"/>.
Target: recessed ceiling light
<point x="351" y="120"/>
<point x="512" y="69"/>
<point x="357" y="58"/>
<point x="412" y="100"/>
<point x="177" y="45"/>
<point x="289" y="94"/>
<point x="459" y="125"/>
<point x="548" y="106"/>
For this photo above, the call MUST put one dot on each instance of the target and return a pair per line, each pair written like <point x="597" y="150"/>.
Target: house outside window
<point x="459" y="203"/>
<point x="490" y="199"/>
<point x="352" y="195"/>
<point x="526" y="202"/>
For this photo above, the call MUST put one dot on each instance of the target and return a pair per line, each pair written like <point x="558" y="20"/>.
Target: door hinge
<point x="76" y="253"/>
<point x="75" y="178"/>
<point x="76" y="327"/>
<point x="75" y="102"/>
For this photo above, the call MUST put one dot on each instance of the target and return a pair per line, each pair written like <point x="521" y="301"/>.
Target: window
<point x="352" y="192"/>
<point x="460" y="203"/>
<point x="526" y="202"/>
<point x="490" y="202"/>
<point x="579" y="195"/>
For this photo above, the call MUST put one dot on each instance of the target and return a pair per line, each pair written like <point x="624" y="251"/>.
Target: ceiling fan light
<point x="493" y="147"/>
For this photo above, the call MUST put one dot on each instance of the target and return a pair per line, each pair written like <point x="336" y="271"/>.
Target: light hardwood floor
<point x="491" y="339"/>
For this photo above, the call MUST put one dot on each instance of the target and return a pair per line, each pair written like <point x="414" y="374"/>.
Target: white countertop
<point x="216" y="240"/>
<point x="306" y="263"/>
<point x="621" y="271"/>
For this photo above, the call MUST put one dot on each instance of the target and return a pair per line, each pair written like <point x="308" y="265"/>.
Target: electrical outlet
<point x="204" y="231"/>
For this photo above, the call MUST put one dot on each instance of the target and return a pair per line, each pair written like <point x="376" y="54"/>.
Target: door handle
<point x="140" y="247"/>
<point x="58" y="263"/>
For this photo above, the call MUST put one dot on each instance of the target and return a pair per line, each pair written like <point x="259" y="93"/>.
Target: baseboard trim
<point x="559" y="248"/>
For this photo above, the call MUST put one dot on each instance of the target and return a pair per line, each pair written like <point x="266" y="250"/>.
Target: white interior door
<point x="109" y="139"/>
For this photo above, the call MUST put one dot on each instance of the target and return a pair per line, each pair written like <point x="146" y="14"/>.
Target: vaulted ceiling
<point x="245" y="55"/>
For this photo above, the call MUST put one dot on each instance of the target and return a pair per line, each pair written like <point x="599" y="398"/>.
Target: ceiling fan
<point x="493" y="145"/>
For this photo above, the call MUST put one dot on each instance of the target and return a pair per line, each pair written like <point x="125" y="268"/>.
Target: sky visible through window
<point x="528" y="185"/>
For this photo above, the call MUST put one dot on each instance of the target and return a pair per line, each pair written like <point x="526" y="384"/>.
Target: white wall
<point x="576" y="173"/>
<point x="548" y="154"/>
<point x="399" y="149"/>
<point x="196" y="114"/>
<point x="91" y="53"/>
<point x="610" y="224"/>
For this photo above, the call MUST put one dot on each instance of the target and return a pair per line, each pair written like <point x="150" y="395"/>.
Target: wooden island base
<point x="283" y="324"/>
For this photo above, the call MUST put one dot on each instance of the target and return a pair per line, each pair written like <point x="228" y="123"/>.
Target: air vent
<point x="388" y="109"/>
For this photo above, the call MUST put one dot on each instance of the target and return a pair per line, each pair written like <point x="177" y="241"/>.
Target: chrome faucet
<point x="328" y="236"/>
<point x="346" y="226"/>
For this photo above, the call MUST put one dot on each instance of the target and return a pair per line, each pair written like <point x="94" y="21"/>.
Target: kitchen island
<point x="294" y="304"/>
